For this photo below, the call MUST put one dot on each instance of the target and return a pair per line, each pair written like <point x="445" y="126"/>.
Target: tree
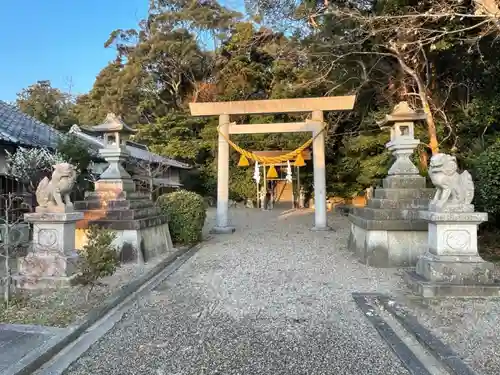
<point x="147" y="171"/>
<point x="47" y="104"/>
<point x="441" y="53"/>
<point x="30" y="166"/>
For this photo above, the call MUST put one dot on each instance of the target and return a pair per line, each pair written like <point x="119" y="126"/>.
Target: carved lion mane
<point x="54" y="193"/>
<point x="451" y="187"/>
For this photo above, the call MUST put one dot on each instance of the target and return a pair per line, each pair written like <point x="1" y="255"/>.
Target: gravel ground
<point x="61" y="307"/>
<point x="471" y="327"/>
<point x="273" y="298"/>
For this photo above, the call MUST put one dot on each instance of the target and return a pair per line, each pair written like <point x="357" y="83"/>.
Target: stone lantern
<point x="388" y="231"/>
<point x="140" y="226"/>
<point x="115" y="134"/>
<point x="402" y="126"/>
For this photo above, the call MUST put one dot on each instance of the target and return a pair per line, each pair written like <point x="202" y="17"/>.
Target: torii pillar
<point x="315" y="106"/>
<point x="222" y="216"/>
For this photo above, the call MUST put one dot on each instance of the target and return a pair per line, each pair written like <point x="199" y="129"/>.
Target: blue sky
<point x="59" y="40"/>
<point x="62" y="41"/>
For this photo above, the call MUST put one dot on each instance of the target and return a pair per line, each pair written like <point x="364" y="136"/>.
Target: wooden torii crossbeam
<point x="315" y="125"/>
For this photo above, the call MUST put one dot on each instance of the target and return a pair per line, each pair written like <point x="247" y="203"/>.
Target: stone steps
<point x="113" y="204"/>
<point x="398" y="204"/>
<point x="133" y="214"/>
<point x="385" y="214"/>
<point x="122" y="195"/>
<point x="398" y="194"/>
<point x="387" y="225"/>
<point x="404" y="182"/>
<point x="136" y="224"/>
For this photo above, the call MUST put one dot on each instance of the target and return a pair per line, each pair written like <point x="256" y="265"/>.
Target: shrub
<point x="99" y="258"/>
<point x="186" y="214"/>
<point x="487" y="181"/>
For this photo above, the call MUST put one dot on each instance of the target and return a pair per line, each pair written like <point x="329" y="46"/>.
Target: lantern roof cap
<point x="112" y="123"/>
<point x="402" y="112"/>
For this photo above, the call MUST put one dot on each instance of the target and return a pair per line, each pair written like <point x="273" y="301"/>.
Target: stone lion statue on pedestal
<point x="53" y="195"/>
<point x="452" y="188"/>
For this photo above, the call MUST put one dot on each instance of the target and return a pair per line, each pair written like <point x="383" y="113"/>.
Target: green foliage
<point x="186" y="215"/>
<point x="241" y="183"/>
<point x="75" y="151"/>
<point x="286" y="49"/>
<point x="47" y="104"/>
<point x="487" y="181"/>
<point x="99" y="258"/>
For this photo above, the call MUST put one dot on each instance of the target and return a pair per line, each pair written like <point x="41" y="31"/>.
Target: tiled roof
<point x="135" y="152"/>
<point x="19" y="128"/>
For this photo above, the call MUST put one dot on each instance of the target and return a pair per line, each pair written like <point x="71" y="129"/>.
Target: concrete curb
<point x="405" y="354"/>
<point x="39" y="356"/>
<point x="441" y="351"/>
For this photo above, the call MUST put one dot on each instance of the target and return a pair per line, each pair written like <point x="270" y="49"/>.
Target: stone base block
<point x="49" y="264"/>
<point x="434" y="289"/>
<point x="44" y="282"/>
<point x="137" y="245"/>
<point x="321" y="229"/>
<point x="455" y="269"/>
<point x="387" y="248"/>
<point x="223" y="230"/>
<point x="42" y="270"/>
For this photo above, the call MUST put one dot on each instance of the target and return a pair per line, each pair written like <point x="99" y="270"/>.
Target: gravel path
<point x="273" y="298"/>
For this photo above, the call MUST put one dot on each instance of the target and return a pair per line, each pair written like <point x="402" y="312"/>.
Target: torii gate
<point x="315" y="125"/>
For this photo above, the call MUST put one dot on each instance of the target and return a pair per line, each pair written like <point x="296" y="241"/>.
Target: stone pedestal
<point x="141" y="228"/>
<point x="53" y="259"/>
<point x="451" y="265"/>
<point x="388" y="232"/>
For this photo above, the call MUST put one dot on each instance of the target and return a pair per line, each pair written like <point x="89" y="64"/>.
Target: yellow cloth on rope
<point x="299" y="162"/>
<point x="272" y="159"/>
<point x="272" y="173"/>
<point x="243" y="161"/>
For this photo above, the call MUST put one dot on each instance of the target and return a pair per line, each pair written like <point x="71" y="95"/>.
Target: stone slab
<point x="455" y="269"/>
<point x="370" y="213"/>
<point x="122" y="214"/>
<point x="113" y="204"/>
<point x="223" y="230"/>
<point x="417" y="204"/>
<point x="132" y="195"/>
<point x="53" y="217"/>
<point x="136" y="224"/>
<point x="386" y="249"/>
<point x="454" y="217"/>
<point x="404" y="182"/>
<point x="429" y="289"/>
<point x="404" y="193"/>
<point x="393" y="225"/>
<point x="18" y="340"/>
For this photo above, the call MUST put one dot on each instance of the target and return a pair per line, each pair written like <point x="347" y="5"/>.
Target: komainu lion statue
<point x="451" y="187"/>
<point x="53" y="194"/>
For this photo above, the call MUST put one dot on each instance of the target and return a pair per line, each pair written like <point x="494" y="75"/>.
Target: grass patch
<point x="56" y="308"/>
